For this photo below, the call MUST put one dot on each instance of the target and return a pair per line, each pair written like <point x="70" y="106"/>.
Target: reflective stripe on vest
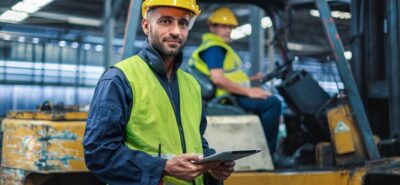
<point x="152" y="121"/>
<point x="231" y="66"/>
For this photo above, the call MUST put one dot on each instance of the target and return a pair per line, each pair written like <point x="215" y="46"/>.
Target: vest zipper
<point x="180" y="128"/>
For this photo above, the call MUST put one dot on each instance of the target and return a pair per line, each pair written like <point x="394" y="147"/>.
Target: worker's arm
<point x="219" y="79"/>
<point x="106" y="155"/>
<point x="207" y="151"/>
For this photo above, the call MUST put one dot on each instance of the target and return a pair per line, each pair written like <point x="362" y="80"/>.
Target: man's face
<point x="222" y="30"/>
<point x="167" y="29"/>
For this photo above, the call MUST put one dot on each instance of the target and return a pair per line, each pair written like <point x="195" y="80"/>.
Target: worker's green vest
<point x="152" y="121"/>
<point x="232" y="61"/>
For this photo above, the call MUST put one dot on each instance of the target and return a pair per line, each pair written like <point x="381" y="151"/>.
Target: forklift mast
<point x="357" y="106"/>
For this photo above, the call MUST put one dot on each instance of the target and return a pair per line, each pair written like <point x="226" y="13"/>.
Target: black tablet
<point x="227" y="156"/>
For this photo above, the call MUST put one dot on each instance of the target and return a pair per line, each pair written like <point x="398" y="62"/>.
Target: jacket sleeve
<point x="203" y="125"/>
<point x="106" y="155"/>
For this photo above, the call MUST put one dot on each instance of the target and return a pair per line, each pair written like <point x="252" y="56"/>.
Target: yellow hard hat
<point x="190" y="5"/>
<point x="223" y="16"/>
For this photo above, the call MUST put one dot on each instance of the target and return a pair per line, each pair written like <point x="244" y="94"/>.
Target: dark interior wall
<point x="372" y="62"/>
<point x="374" y="66"/>
<point x="392" y="10"/>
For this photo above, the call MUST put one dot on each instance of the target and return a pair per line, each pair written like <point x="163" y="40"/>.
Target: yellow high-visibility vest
<point x="152" y="121"/>
<point x="231" y="66"/>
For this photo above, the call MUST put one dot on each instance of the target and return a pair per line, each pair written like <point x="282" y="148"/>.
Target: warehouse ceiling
<point x="84" y="17"/>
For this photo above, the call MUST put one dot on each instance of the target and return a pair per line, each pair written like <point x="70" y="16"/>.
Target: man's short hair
<point x="149" y="11"/>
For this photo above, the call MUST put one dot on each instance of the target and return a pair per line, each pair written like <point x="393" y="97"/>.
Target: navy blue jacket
<point x="106" y="155"/>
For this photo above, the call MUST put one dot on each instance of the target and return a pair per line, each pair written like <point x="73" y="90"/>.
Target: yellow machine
<point x="43" y="146"/>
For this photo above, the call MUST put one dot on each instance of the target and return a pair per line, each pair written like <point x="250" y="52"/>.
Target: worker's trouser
<point x="269" y="111"/>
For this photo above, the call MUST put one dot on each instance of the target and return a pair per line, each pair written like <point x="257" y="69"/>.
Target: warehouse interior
<point x="53" y="52"/>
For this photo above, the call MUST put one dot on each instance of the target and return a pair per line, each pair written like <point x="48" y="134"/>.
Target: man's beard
<point x="157" y="43"/>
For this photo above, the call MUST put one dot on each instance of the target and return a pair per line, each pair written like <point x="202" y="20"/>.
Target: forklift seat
<point x="221" y="105"/>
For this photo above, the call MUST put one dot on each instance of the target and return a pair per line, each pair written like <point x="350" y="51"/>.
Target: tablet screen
<point x="227" y="156"/>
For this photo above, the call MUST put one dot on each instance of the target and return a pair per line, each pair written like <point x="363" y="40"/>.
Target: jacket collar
<point x="155" y="62"/>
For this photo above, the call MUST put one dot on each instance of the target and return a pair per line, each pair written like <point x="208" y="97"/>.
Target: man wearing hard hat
<point x="216" y="59"/>
<point x="146" y="121"/>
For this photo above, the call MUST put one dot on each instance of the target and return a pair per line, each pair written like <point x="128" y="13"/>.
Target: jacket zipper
<point x="180" y="128"/>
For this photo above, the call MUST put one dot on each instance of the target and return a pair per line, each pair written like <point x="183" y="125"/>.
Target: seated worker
<point x="216" y="59"/>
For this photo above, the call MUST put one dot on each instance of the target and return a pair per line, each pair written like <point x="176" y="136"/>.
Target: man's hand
<point x="223" y="170"/>
<point x="182" y="167"/>
<point x="257" y="77"/>
<point x="257" y="92"/>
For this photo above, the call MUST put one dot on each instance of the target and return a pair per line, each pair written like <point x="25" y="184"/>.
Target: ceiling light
<point x="266" y="22"/>
<point x="25" y="7"/>
<point x="74" y="45"/>
<point x="348" y="55"/>
<point x="237" y="34"/>
<point x="99" y="48"/>
<point x="334" y="14"/>
<point x="13" y="16"/>
<point x="35" y="40"/>
<point x="295" y="46"/>
<point x="86" y="46"/>
<point x="6" y="37"/>
<point x="241" y="31"/>
<point x="21" y="39"/>
<point x="84" y="21"/>
<point x="39" y="3"/>
<point x="62" y="43"/>
<point x="341" y="15"/>
<point x="245" y="29"/>
<point x="314" y="13"/>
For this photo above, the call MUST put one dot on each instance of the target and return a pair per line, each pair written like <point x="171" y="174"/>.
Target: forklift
<point x="347" y="151"/>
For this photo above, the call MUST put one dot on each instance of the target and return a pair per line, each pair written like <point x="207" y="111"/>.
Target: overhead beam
<point x="256" y="40"/>
<point x="108" y="30"/>
<point x="297" y="2"/>
<point x="72" y="5"/>
<point x="72" y="19"/>
<point x="131" y="27"/>
<point x="116" y="6"/>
